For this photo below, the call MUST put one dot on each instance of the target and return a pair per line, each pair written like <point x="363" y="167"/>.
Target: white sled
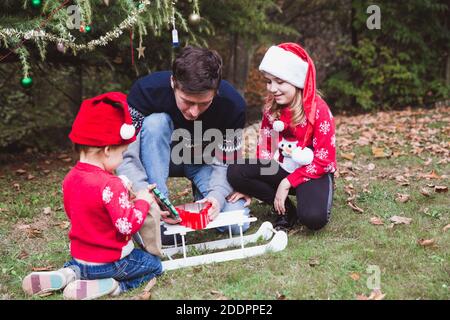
<point x="278" y="241"/>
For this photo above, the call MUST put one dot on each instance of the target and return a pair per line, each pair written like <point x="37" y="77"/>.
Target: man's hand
<point x="214" y="211"/>
<point x="281" y="195"/>
<point x="235" y="196"/>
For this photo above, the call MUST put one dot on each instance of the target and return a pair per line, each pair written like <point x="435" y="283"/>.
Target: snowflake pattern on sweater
<point x="322" y="141"/>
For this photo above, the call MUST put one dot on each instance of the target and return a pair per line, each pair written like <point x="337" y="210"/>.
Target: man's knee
<point x="157" y="123"/>
<point x="233" y="174"/>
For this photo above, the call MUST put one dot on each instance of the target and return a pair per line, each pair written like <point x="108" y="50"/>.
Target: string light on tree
<point x="36" y="3"/>
<point x="194" y="18"/>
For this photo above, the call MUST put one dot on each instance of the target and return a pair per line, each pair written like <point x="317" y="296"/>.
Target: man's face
<point x="193" y="105"/>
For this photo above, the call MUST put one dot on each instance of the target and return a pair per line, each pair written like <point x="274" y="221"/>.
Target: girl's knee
<point x="314" y="222"/>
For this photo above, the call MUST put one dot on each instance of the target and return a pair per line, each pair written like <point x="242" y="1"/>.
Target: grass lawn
<point x="333" y="263"/>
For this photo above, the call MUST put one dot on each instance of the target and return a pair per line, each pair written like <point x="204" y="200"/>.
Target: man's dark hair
<point x="197" y="70"/>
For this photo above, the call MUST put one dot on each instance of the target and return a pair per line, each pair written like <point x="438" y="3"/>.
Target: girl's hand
<point x="281" y="195"/>
<point x="167" y="218"/>
<point x="235" y="196"/>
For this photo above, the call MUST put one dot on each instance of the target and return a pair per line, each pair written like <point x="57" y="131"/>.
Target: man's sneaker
<point x="167" y="240"/>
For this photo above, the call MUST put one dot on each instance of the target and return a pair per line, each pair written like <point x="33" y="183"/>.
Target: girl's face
<point x="113" y="157"/>
<point x="283" y="92"/>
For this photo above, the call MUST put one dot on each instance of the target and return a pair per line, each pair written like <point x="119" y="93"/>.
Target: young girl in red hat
<point x="103" y="217"/>
<point x="303" y="165"/>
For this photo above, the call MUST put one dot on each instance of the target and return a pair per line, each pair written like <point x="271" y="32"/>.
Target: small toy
<point x="166" y="203"/>
<point x="194" y="215"/>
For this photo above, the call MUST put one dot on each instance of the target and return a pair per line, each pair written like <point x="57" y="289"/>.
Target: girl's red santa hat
<point x="103" y="121"/>
<point x="291" y="63"/>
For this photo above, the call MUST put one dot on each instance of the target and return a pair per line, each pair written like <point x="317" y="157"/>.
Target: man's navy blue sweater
<point x="153" y="94"/>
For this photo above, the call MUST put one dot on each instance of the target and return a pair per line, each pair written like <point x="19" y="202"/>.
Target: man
<point x="190" y="98"/>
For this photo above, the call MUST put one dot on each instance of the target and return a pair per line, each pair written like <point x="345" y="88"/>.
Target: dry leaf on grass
<point x="48" y="268"/>
<point x="47" y="210"/>
<point x="218" y="295"/>
<point x="21" y="171"/>
<point x="376" y="221"/>
<point x="402" y="197"/>
<point x="355" y="276"/>
<point x="447" y="227"/>
<point x="280" y="296"/>
<point x="400" y="220"/>
<point x="440" y="189"/>
<point x="16" y="186"/>
<point x="348" y="156"/>
<point x="379" y="153"/>
<point x="426" y="242"/>
<point x="30" y="177"/>
<point x="425" y="192"/>
<point x="370" y="167"/>
<point x="355" y="207"/>
<point x="375" y="295"/>
<point x="313" y="262"/>
<point x="431" y="175"/>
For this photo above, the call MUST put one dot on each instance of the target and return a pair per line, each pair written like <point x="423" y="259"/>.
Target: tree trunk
<point x="76" y="91"/>
<point x="239" y="62"/>
<point x="447" y="70"/>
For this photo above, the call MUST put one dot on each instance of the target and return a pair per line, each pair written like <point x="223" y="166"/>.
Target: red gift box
<point x="194" y="215"/>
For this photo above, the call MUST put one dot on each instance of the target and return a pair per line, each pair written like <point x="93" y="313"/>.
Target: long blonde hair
<point x="296" y="108"/>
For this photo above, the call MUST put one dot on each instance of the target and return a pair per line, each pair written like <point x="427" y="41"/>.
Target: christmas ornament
<point x="26" y="82"/>
<point x="36" y="3"/>
<point x="140" y="49"/>
<point x="194" y="18"/>
<point x="88" y="29"/>
<point x="60" y="47"/>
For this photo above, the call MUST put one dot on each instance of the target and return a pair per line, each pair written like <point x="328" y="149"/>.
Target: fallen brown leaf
<point x="355" y="207"/>
<point x="16" y="186"/>
<point x="48" y="268"/>
<point x="348" y="156"/>
<point x="361" y="297"/>
<point x="21" y="171"/>
<point x="218" y="295"/>
<point x="447" y="227"/>
<point x="379" y="153"/>
<point x="376" y="295"/>
<point x="440" y="189"/>
<point x="280" y="296"/>
<point x="426" y="242"/>
<point x="47" y="210"/>
<point x="376" y="221"/>
<point x="313" y="262"/>
<point x="425" y="192"/>
<point x="370" y="167"/>
<point x="402" y="197"/>
<point x="355" y="276"/>
<point x="30" y="177"/>
<point x="400" y="220"/>
<point x="431" y="175"/>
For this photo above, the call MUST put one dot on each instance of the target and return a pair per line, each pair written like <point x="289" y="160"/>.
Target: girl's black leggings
<point x="314" y="198"/>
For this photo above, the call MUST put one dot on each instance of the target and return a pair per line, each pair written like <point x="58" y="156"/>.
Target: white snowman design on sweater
<point x="289" y="155"/>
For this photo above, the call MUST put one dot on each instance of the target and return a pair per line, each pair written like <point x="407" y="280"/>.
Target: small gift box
<point x="194" y="215"/>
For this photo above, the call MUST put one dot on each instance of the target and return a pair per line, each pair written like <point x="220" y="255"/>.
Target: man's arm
<point x="132" y="167"/>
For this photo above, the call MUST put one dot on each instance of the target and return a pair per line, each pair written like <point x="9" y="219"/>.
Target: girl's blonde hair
<point x="296" y="108"/>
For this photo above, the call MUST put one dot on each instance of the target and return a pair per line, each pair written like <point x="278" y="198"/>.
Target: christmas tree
<point x="56" y="30"/>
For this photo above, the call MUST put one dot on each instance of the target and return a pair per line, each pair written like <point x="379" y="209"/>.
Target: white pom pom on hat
<point x="303" y="156"/>
<point x="278" y="126"/>
<point x="127" y="131"/>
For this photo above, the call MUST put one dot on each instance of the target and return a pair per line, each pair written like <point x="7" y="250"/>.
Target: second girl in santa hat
<point x="293" y="109"/>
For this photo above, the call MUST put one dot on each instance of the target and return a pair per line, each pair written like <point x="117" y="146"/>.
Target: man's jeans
<point x="155" y="151"/>
<point x="138" y="268"/>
